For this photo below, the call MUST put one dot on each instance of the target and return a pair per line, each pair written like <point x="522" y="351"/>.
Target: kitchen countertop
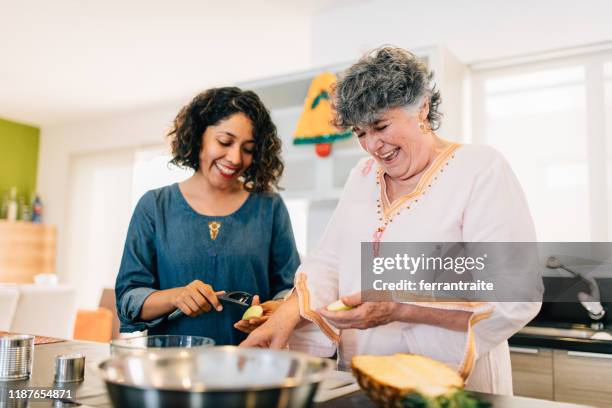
<point x="44" y="368"/>
<point x="563" y="341"/>
<point x="92" y="391"/>
<point x="360" y="399"/>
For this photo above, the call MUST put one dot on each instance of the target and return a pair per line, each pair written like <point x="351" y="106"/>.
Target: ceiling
<point x="64" y="61"/>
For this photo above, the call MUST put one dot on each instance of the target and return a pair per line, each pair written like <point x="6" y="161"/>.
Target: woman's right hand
<point x="275" y="332"/>
<point x="197" y="298"/>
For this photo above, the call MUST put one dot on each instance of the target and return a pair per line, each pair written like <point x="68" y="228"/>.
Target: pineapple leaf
<point x="458" y="399"/>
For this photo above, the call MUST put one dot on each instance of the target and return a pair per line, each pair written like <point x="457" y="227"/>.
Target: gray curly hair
<point x="384" y="78"/>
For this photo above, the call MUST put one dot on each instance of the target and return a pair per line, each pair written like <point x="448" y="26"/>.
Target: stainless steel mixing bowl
<point x="169" y="343"/>
<point x="215" y="377"/>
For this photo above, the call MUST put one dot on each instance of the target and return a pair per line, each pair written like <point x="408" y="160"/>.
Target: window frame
<point x="592" y="60"/>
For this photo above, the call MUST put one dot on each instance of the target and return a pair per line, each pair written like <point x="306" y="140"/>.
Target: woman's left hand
<point x="269" y="307"/>
<point x="363" y="315"/>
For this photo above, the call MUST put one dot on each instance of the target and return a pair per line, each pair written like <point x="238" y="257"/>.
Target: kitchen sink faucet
<point x="590" y="301"/>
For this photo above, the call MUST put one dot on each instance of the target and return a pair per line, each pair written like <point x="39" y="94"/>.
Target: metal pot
<point x="215" y="377"/>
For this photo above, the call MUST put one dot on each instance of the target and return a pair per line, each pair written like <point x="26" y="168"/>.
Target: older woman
<point x="416" y="187"/>
<point x="223" y="229"/>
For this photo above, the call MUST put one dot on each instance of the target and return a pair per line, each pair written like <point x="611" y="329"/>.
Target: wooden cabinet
<point x="26" y="249"/>
<point x="561" y="375"/>
<point x="584" y="378"/>
<point x="532" y="372"/>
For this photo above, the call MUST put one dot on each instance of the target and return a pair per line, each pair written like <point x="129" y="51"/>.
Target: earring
<point x="421" y="125"/>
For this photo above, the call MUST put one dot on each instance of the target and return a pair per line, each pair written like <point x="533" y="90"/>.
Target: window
<point x="100" y="209"/>
<point x="98" y="215"/>
<point x="152" y="170"/>
<point x="544" y="118"/>
<point x="608" y="136"/>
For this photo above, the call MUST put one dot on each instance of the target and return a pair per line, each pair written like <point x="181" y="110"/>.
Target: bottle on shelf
<point x="12" y="208"/>
<point x="4" y="205"/>
<point x="25" y="210"/>
<point x="37" y="210"/>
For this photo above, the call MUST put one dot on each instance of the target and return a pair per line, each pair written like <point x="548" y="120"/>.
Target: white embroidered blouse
<point x="468" y="194"/>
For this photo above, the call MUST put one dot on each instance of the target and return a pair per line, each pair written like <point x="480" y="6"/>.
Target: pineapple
<point x="411" y="381"/>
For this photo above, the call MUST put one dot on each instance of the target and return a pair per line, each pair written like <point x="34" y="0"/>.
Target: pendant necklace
<point x="213" y="229"/>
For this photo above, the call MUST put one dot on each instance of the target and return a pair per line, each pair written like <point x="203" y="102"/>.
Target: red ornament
<point x="323" y="149"/>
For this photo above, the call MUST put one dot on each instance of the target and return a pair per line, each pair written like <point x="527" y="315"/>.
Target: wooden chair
<point x="107" y="300"/>
<point x="101" y="324"/>
<point x="94" y="325"/>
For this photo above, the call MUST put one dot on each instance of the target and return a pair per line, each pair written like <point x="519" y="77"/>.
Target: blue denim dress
<point x="168" y="245"/>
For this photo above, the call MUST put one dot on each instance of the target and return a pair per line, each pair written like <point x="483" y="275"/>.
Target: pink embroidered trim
<point x="377" y="238"/>
<point x="367" y="167"/>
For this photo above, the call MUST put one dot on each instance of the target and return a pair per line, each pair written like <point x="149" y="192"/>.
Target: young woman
<point x="223" y="229"/>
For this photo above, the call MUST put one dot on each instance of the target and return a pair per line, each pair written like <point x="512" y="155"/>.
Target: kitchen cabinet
<point x="532" y="372"/>
<point x="26" y="249"/>
<point x="562" y="375"/>
<point x="583" y="377"/>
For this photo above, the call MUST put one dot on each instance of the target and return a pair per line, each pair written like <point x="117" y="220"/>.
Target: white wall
<point x="473" y="30"/>
<point x="69" y="60"/>
<point x="476" y="31"/>
<point x="59" y="145"/>
<point x="100" y="209"/>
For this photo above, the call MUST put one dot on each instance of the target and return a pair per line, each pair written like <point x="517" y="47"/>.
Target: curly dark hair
<point x="211" y="107"/>
<point x="384" y="78"/>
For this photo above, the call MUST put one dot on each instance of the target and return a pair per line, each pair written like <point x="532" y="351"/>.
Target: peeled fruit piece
<point x="338" y="306"/>
<point x="252" y="312"/>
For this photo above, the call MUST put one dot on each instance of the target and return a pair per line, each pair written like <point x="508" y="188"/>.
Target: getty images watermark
<point x="412" y="264"/>
<point x="496" y="271"/>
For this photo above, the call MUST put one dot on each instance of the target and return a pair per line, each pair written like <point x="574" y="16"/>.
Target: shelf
<point x="310" y="177"/>
<point x="26" y="249"/>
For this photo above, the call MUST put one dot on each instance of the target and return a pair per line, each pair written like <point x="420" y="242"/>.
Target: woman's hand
<point x="269" y="307"/>
<point x="371" y="314"/>
<point x="197" y="298"/>
<point x="363" y="315"/>
<point x="277" y="329"/>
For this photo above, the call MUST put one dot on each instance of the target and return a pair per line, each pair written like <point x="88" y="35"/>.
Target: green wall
<point x="18" y="157"/>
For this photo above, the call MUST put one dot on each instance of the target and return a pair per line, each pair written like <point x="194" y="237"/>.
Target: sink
<point x="582" y="333"/>
<point x="602" y="336"/>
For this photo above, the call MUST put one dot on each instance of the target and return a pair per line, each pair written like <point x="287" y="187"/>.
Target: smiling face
<point x="227" y="151"/>
<point x="395" y="141"/>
